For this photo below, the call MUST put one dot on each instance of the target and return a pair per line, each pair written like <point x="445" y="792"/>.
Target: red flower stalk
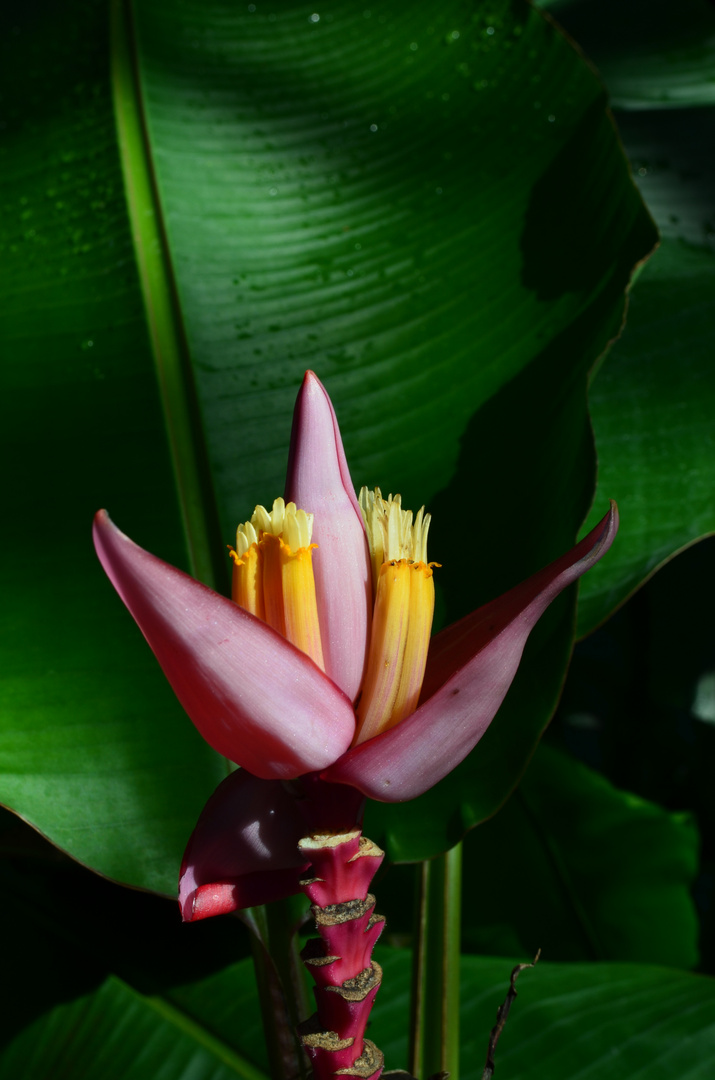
<point x="342" y="867"/>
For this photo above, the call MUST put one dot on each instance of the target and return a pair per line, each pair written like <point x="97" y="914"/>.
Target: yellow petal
<point x="247" y="582"/>
<point x="418" y="636"/>
<point x="273" y="582"/>
<point x="277" y="585"/>
<point x="404" y="606"/>
<point x="300" y="609"/>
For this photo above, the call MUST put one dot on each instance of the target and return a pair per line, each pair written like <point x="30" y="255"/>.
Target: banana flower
<point x="319" y="677"/>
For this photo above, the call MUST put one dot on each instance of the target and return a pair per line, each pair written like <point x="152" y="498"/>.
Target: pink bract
<point x="266" y="706"/>
<point x="318" y="481"/>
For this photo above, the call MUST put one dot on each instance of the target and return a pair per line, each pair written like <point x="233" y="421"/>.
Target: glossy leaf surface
<point x="638" y="704"/>
<point x="653" y="399"/>
<point x="337" y="191"/>
<point x="592" y="873"/>
<point x="621" y="1017"/>
<point x="124" y="983"/>
<point x="655" y="61"/>
<point x="118" y="1033"/>
<point x="357" y="291"/>
<point x="574" y="1019"/>
<point x="94" y="749"/>
<point x="613" y="1019"/>
<point x="450" y="275"/>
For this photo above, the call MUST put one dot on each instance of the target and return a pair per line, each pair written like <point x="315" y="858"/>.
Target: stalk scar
<point x="336" y="914"/>
<point x="357" y="988"/>
<point x="368" y="1064"/>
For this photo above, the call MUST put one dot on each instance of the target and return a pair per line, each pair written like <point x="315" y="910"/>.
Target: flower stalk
<point x="340" y="959"/>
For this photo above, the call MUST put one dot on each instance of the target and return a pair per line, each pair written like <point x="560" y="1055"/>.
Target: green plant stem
<point x="282" y="987"/>
<point x="161" y="303"/>
<point x="434" y="1034"/>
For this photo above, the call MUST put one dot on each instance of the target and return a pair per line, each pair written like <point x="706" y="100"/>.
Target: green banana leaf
<point x="652" y="401"/>
<point x="127" y="1012"/>
<point x="592" y="873"/>
<point x="429" y="208"/>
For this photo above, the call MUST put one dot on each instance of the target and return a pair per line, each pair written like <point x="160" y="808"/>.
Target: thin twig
<point x="502" y="1014"/>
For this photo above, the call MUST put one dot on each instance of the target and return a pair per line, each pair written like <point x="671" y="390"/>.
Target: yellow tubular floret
<point x="387" y="650"/>
<point x="247" y="583"/>
<point x="273" y="582"/>
<point x="402" y="620"/>
<point x="417" y="645"/>
<point x="299" y="603"/>
<point x="273" y="574"/>
<point x="401" y="627"/>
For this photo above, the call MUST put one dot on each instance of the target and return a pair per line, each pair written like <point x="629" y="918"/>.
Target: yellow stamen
<point x="391" y="534"/>
<point x="273" y="574"/>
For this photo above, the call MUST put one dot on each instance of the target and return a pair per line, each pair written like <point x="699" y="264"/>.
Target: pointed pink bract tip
<point x="100" y="518"/>
<point x="318" y="481"/>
